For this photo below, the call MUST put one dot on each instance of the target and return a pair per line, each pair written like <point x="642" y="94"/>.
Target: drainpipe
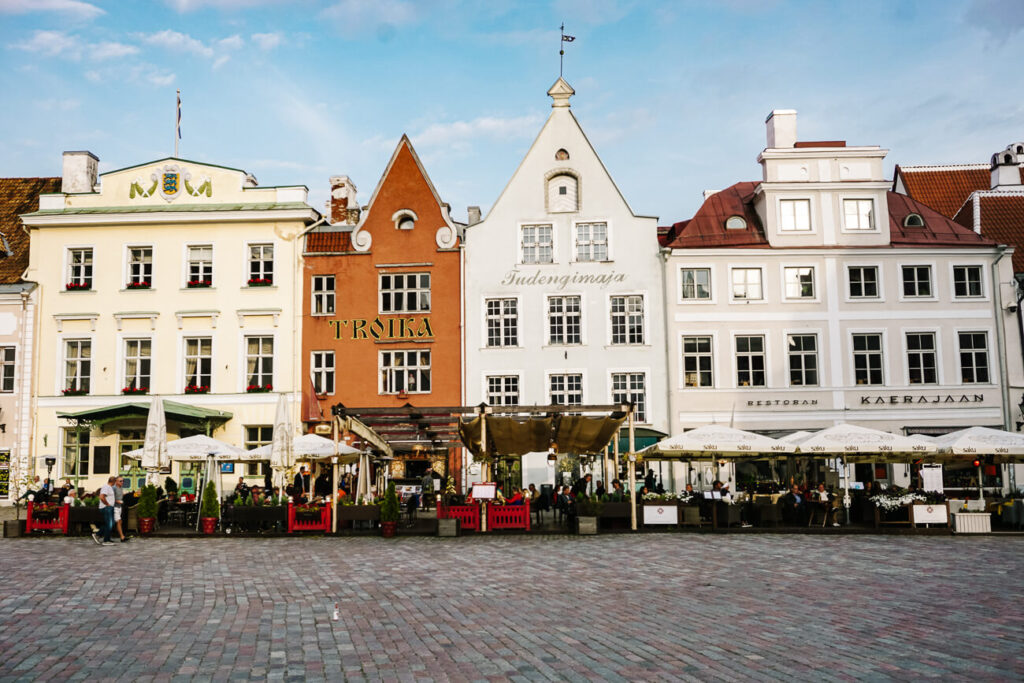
<point x="666" y="306"/>
<point x="1001" y="350"/>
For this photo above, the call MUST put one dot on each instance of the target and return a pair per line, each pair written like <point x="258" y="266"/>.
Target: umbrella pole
<point x="846" y="490"/>
<point x="981" y="490"/>
<point x="632" y="472"/>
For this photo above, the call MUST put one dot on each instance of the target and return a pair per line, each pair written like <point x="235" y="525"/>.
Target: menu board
<point x="5" y="474"/>
<point x="484" y="491"/>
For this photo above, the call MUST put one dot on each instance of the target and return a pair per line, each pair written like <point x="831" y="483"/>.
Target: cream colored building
<point x="173" y="278"/>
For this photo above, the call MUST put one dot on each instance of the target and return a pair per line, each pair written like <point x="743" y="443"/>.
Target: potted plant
<point x="588" y="509"/>
<point x="389" y="512"/>
<point x="147" y="509"/>
<point x="209" y="513"/>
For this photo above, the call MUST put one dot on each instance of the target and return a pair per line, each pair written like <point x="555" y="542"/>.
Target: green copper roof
<point x="179" y="412"/>
<point x="172" y="208"/>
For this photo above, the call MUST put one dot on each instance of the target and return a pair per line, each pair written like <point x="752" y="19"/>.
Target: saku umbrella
<point x="154" y="449"/>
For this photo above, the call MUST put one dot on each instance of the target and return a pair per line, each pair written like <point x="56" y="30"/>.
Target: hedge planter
<point x="616" y="510"/>
<point x="388" y="529"/>
<point x="586" y="526"/>
<point x="146" y="525"/>
<point x="258" y="517"/>
<point x="359" y="513"/>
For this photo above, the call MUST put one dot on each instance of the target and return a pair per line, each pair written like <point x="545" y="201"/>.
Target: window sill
<point x="253" y="287"/>
<point x="627" y="346"/>
<point x="748" y="301"/>
<point x="322" y="315"/>
<point x="544" y="263"/>
<point x="138" y="289"/>
<point x="563" y="346"/>
<point x="78" y="291"/>
<point x="499" y="348"/>
<point x="196" y="289"/>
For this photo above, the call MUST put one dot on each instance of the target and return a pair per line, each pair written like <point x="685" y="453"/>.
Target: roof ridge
<point x="985" y="194"/>
<point x="944" y="167"/>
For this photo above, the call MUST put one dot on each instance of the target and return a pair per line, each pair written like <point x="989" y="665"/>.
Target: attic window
<point x="561" y="155"/>
<point x="405" y="219"/>
<point x="913" y="220"/>
<point x="735" y="223"/>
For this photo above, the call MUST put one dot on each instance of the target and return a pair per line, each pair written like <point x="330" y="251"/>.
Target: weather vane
<point x="561" y="48"/>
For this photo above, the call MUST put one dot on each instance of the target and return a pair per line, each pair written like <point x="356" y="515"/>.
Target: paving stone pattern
<point x="655" y="607"/>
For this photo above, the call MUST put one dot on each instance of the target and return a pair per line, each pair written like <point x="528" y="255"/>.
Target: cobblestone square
<point x="620" y="607"/>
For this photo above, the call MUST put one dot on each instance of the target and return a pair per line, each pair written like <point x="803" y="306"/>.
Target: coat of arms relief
<point x="170" y="181"/>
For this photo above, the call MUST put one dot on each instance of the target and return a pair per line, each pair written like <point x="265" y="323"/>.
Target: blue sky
<point x="672" y="94"/>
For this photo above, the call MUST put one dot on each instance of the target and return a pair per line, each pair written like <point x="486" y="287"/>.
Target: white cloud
<point x="220" y="61"/>
<point x="179" y="42"/>
<point x="52" y="44"/>
<point x="357" y="17"/>
<point x="266" y="41"/>
<point x="234" y="42"/>
<point x="457" y="133"/>
<point x="160" y="78"/>
<point x="75" y="8"/>
<point x="183" y="6"/>
<point x="109" y="50"/>
<point x="54" y="104"/>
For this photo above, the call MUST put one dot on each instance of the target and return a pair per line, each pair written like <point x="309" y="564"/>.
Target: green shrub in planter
<point x="588" y="506"/>
<point x="147" y="502"/>
<point x="389" y="511"/>
<point x="211" y="506"/>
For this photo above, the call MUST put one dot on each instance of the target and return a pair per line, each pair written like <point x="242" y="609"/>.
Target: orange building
<point x="382" y="308"/>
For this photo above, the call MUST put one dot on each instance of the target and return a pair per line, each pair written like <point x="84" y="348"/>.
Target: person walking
<point x="426" y="486"/>
<point x="107" y="510"/>
<point x="119" y="508"/>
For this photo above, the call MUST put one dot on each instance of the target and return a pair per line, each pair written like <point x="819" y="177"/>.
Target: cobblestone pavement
<point x="655" y="607"/>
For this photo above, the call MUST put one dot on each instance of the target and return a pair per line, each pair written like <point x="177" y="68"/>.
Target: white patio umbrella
<point x="966" y="444"/>
<point x="154" y="449"/>
<point x="719" y="441"/>
<point x="312" y="446"/>
<point x="196" y="449"/>
<point x="282" y="457"/>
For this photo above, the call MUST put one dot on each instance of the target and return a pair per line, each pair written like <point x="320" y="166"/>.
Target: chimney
<point x="1006" y="168"/>
<point x="474" y="215"/>
<point x="781" y="124"/>
<point x="343" y="207"/>
<point x="79" y="172"/>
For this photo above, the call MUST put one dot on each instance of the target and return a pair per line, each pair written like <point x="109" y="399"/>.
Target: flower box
<point x="257" y="389"/>
<point x="135" y="391"/>
<point x="138" y="285"/>
<point x="309" y="517"/>
<point x="199" y="284"/>
<point x="260" y="282"/>
<point x="197" y="389"/>
<point x="75" y="392"/>
<point x="78" y="286"/>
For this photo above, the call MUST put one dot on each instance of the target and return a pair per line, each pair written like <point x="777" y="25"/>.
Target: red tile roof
<point x="707" y="227"/>
<point x="945" y="188"/>
<point x="329" y="241"/>
<point x="938" y="230"/>
<point x="1002" y="220"/>
<point x="820" y="143"/>
<point x="18" y="196"/>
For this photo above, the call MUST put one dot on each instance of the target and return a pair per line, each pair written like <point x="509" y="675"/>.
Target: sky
<point x="673" y="95"/>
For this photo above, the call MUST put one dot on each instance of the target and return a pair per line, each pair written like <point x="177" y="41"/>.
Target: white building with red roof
<point x="817" y="296"/>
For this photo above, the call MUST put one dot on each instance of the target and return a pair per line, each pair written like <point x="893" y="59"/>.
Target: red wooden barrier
<point x="60" y="523"/>
<point x="508" y="517"/>
<point x="468" y="515"/>
<point x="303" y="524"/>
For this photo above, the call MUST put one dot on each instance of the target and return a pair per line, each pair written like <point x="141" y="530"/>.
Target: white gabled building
<point x="817" y="296"/>
<point x="563" y="288"/>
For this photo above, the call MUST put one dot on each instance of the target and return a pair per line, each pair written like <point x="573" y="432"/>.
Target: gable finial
<point x="561" y="48"/>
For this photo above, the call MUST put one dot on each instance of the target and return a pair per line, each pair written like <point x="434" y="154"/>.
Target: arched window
<point x="735" y="223"/>
<point x="913" y="220"/>
<point x="563" y="193"/>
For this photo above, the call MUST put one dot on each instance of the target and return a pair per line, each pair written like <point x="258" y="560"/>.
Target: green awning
<point x="179" y="412"/>
<point x="642" y="438"/>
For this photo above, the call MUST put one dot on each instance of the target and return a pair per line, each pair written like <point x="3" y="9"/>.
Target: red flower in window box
<point x="195" y="284"/>
<point x="77" y="286"/>
<point x="259" y="388"/>
<point x="75" y="391"/>
<point x="260" y="281"/>
<point x="197" y="389"/>
<point x="131" y="391"/>
<point x="144" y="284"/>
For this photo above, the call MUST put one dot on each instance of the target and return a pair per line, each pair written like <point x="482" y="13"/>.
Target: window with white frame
<point x="503" y="390"/>
<point x="631" y="387"/>
<point x="323" y="294"/>
<point x="405" y="293"/>
<point x="591" y="241"/>
<point x="627" y="319"/>
<point x="405" y="371"/>
<point x="697" y="362"/>
<point x="7" y="354"/>
<point x="917" y="281"/>
<point x="257" y="436"/>
<point x="129" y="440"/>
<point x="794" y="215"/>
<point x="137" y="363"/>
<point x="259" y="363"/>
<point x="261" y="264"/>
<point x="537" y="245"/>
<point x="750" y="361"/>
<point x="921" y="361"/>
<point x="140" y="266"/>
<point x="803" y="360"/>
<point x="77" y="365"/>
<point x="967" y="282"/>
<point x="563" y="193"/>
<point x="863" y="282"/>
<point x="76" y="451"/>
<point x="973" y="357"/>
<point x="200" y="265"/>
<point x="859" y="214"/>
<point x="799" y="282"/>
<point x="564" y="320"/>
<point x="198" y="364"/>
<point x="746" y="284"/>
<point x="566" y="390"/>
<point x="867" y="358"/>
<point x="79" y="269"/>
<point x="502" y="322"/>
<point x="696" y="284"/>
<point x="322" y="369"/>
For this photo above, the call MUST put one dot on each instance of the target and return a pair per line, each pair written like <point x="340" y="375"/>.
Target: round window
<point x="735" y="223"/>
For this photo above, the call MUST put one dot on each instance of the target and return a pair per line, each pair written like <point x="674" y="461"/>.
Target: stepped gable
<point x="18" y="196"/>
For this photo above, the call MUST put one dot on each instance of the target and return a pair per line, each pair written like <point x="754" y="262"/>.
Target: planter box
<point x="447" y="528"/>
<point x="929" y="513"/>
<point x="254" y="517"/>
<point x="586" y="526"/>
<point x="359" y="513"/>
<point x="615" y="511"/>
<point x="13" y="528"/>
<point x="972" y="522"/>
<point x="660" y="513"/>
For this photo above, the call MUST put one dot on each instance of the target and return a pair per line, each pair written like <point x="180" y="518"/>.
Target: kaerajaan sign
<point x="390" y="328"/>
<point x="899" y="399"/>
<point x="516" y="278"/>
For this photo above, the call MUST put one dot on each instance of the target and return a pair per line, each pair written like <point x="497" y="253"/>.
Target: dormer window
<point x="405" y="219"/>
<point x="735" y="223"/>
<point x="563" y="193"/>
<point x="913" y="220"/>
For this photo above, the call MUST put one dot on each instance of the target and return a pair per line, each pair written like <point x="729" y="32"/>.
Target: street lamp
<point x="50" y="461"/>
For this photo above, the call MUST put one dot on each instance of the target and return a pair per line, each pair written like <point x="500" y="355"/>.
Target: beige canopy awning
<point x="510" y="436"/>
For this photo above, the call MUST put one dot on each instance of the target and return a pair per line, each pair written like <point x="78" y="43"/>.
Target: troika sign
<point x="517" y="278"/>
<point x="387" y="328"/>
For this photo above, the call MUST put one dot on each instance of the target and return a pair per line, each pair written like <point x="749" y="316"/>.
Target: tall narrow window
<point x="566" y="390"/>
<point x="322" y="369"/>
<point x="198" y="364"/>
<point x="200" y="265"/>
<point x="917" y="281"/>
<point x="137" y="361"/>
<point x="405" y="293"/>
<point x="794" y="215"/>
<point x="803" y="360"/>
<point x="261" y="264"/>
<point x="863" y="282"/>
<point x="563" y="193"/>
<point x="502" y="322"/>
<point x="128" y="440"/>
<point x="627" y="319"/>
<point x="7" y="369"/>
<point x="503" y="390"/>
<point x="921" y="358"/>
<point x="867" y="358"/>
<point x="140" y="267"/>
<point x="323" y="294"/>
<point x="859" y="214"/>
<point x="973" y="357"/>
<point x="799" y="282"/>
<point x="697" y="366"/>
<point x="746" y="284"/>
<point x="259" y="363"/>
<point x="79" y="269"/>
<point x="696" y="284"/>
<point x="564" y="320"/>
<point x="404" y="372"/>
<point x="76" y="451"/>
<point x="77" y="365"/>
<point x="255" y="437"/>
<point x="750" y="361"/>
<point x="631" y="387"/>
<point x="967" y="282"/>
<point x="537" y="246"/>
<point x="591" y="241"/>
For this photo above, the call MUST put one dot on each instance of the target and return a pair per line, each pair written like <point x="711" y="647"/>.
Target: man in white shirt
<point x="107" y="510"/>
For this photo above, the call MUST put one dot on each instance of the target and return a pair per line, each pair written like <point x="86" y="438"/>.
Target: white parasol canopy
<point x="281" y="455"/>
<point x="849" y="439"/>
<point x="154" y="449"/>
<point x="980" y="441"/>
<point x="196" y="449"/>
<point x="796" y="437"/>
<point x="312" y="446"/>
<point x="714" y="441"/>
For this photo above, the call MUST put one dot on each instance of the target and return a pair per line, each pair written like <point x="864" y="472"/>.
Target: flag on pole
<point x="179" y="115"/>
<point x="568" y="39"/>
